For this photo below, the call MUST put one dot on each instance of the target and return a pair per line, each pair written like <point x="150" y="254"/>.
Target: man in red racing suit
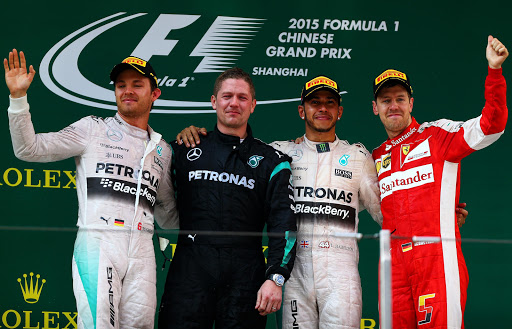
<point x="418" y="170"/>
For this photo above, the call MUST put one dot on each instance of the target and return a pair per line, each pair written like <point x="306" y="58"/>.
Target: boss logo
<point x="343" y="173"/>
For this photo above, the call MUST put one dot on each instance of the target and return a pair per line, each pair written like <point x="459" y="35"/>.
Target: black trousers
<point x="208" y="284"/>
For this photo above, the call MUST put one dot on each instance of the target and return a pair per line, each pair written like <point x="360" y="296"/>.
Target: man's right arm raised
<point x="28" y="145"/>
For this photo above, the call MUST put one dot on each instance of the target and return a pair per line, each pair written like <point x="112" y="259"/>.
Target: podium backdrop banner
<point x="282" y="44"/>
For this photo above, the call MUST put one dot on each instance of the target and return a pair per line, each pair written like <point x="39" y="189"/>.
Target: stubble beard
<point x="396" y="127"/>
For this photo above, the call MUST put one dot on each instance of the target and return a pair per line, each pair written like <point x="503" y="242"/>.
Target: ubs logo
<point x="386" y="161"/>
<point x="194" y="154"/>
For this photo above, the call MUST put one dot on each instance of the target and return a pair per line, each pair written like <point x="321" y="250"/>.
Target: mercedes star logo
<point x="114" y="135"/>
<point x="194" y="154"/>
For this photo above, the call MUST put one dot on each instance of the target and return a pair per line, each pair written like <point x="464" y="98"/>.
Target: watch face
<point x="279" y="279"/>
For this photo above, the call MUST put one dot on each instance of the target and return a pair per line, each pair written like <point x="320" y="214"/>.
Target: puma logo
<point x="192" y="237"/>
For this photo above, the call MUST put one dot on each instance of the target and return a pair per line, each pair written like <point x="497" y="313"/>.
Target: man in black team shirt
<point x="231" y="183"/>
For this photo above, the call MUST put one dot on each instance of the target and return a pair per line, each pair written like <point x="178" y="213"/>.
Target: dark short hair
<point x="234" y="73"/>
<point x="390" y="84"/>
<point x="153" y="85"/>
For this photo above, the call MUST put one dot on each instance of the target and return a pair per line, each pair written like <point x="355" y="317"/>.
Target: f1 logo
<point x="427" y="309"/>
<point x="214" y="53"/>
<point x="60" y="72"/>
<point x="155" y="42"/>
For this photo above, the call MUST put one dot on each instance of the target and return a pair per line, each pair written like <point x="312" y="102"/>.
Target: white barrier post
<point x="385" y="303"/>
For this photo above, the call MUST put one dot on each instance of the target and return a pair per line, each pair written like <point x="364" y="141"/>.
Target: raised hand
<point x="496" y="52"/>
<point x="16" y="76"/>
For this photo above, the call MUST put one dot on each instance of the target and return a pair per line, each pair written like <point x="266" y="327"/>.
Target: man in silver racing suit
<point x="122" y="173"/>
<point x="333" y="181"/>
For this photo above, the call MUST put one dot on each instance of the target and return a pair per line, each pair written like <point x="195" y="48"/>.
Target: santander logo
<point x="407" y="179"/>
<point x="220" y="47"/>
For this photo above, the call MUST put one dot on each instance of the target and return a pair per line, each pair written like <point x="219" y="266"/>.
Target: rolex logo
<point x="30" y="293"/>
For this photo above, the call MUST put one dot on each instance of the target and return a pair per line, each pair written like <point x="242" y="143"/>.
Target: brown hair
<point x="234" y="73"/>
<point x="392" y="83"/>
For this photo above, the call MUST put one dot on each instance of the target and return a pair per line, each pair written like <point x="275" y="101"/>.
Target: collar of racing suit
<point x="232" y="140"/>
<point x="135" y="131"/>
<point x="312" y="145"/>
<point x="408" y="132"/>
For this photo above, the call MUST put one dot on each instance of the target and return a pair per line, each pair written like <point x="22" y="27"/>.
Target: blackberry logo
<point x="106" y="182"/>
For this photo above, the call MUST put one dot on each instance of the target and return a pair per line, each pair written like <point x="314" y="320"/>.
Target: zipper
<point x="148" y="147"/>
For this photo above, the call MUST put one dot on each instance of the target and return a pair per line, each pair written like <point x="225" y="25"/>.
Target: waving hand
<point x="16" y="76"/>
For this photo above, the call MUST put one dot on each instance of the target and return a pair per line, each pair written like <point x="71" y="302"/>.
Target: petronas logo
<point x="254" y="161"/>
<point x="344" y="159"/>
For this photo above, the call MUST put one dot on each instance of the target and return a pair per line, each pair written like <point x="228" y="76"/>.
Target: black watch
<point x="277" y="278"/>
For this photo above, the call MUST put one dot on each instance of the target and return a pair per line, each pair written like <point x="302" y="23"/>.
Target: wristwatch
<point x="277" y="278"/>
